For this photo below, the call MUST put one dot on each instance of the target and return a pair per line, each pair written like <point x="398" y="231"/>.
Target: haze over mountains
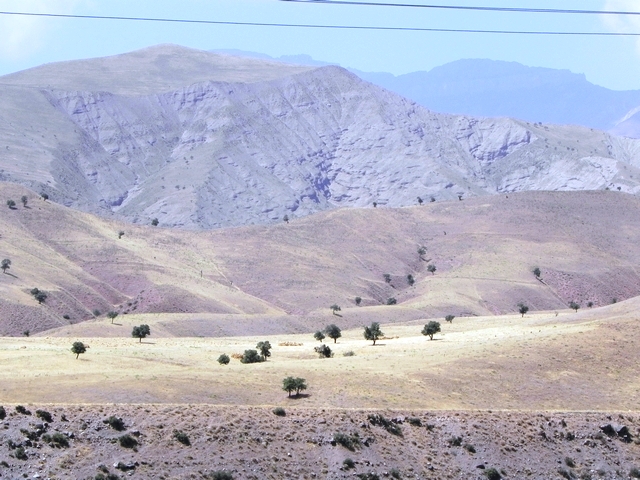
<point x="201" y="140"/>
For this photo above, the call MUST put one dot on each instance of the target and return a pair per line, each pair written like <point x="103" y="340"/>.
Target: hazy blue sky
<point x="611" y="62"/>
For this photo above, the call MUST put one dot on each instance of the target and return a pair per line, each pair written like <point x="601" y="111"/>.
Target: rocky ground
<point x="195" y="441"/>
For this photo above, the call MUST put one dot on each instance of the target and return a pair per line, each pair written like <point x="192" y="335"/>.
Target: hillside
<point x="215" y="146"/>
<point x="282" y="278"/>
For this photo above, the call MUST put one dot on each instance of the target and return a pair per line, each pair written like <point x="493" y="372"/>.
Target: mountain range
<point x="203" y="140"/>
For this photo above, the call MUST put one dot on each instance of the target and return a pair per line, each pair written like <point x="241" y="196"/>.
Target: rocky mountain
<point x="200" y="140"/>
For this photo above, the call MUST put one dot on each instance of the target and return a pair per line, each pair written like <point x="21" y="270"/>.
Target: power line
<point x="316" y="26"/>
<point x="463" y="7"/>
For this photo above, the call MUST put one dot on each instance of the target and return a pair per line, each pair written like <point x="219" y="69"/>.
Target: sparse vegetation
<point x="469" y="448"/>
<point x="335" y="308"/>
<point x="349" y="353"/>
<point x="348" y="464"/>
<point x="22" y="410"/>
<point x="324" y="351"/>
<point x="279" y="411"/>
<point x="3" y="413"/>
<point x="11" y="204"/>
<point x="569" y="462"/>
<point x="388" y="425"/>
<point x="410" y="280"/>
<point x="265" y="349"/>
<point x="536" y="272"/>
<point x="127" y="441"/>
<point x="350" y="442"/>
<point x="251" y="356"/>
<point x="57" y="440"/>
<point x="333" y="331"/>
<point x="414" y="421"/>
<point x="224" y="359"/>
<point x="44" y="415"/>
<point x="358" y="301"/>
<point x="431" y="268"/>
<point x="492" y="474"/>
<point x="220" y="475"/>
<point x="96" y="312"/>
<point x="116" y="423"/>
<point x="120" y="234"/>
<point x="319" y="336"/>
<point x="455" y="441"/>
<point x="373" y="332"/>
<point x="522" y="308"/>
<point x="574" y="306"/>
<point x="5" y="265"/>
<point x="422" y="252"/>
<point x="387" y="277"/>
<point x="589" y="304"/>
<point x="141" y="331"/>
<point x="286" y="219"/>
<point x="112" y="315"/>
<point x="431" y="328"/>
<point x="420" y="201"/>
<point x="155" y="222"/>
<point x="24" y="199"/>
<point x="449" y="318"/>
<point x="391" y="301"/>
<point x="44" y="196"/>
<point x="78" y="348"/>
<point x="296" y="384"/>
<point x="634" y="472"/>
<point x="20" y="454"/>
<point x="182" y="437"/>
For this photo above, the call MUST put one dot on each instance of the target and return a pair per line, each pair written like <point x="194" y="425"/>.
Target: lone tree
<point x="431" y="268"/>
<point x="387" y="277"/>
<point x="373" y="332"/>
<point x="41" y="297"/>
<point x="422" y="252"/>
<point x="265" y="349"/>
<point x="410" y="279"/>
<point x="224" y="359"/>
<point x="319" y="336"/>
<point x="120" y="234"/>
<point x="11" y="204"/>
<point x="5" y="265"/>
<point x="24" y="200"/>
<point x="286" y="219"/>
<point x="536" y="272"/>
<point x="358" y="301"/>
<point x="391" y="301"/>
<point x="290" y="384"/>
<point x="78" y="348"/>
<point x="333" y="331"/>
<point x="335" y="308"/>
<point x="522" y="308"/>
<point x="251" y="356"/>
<point x="430" y="329"/>
<point x="574" y="306"/>
<point x="324" y="351"/>
<point x="112" y="315"/>
<point x="419" y="201"/>
<point x="44" y="196"/>
<point x="155" y="222"/>
<point x="589" y="304"/>
<point x="141" y="332"/>
<point x="449" y="318"/>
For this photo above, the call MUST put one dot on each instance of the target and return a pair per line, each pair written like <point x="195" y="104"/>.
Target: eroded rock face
<point x="218" y="154"/>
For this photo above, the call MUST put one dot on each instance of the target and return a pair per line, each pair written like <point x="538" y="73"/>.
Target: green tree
<point x="112" y="315"/>
<point x="391" y="301"/>
<point x="141" y="332"/>
<point x="251" y="356"/>
<point x="24" y="200"/>
<point x="431" y="268"/>
<point x="373" y="332"/>
<point x="422" y="252"/>
<point x="324" y="351"/>
<point x="41" y="297"/>
<point x="155" y="222"/>
<point x="522" y="308"/>
<point x="358" y="301"/>
<point x="11" y="204"/>
<point x="431" y="328"/>
<point x="574" y="306"/>
<point x="536" y="272"/>
<point x="44" y="196"/>
<point x="319" y="336"/>
<point x="224" y="359"/>
<point x="333" y="331"/>
<point x="78" y="348"/>
<point x="291" y="384"/>
<point x="410" y="280"/>
<point x="120" y="234"/>
<point x="387" y="277"/>
<point x="419" y="201"/>
<point x="449" y="318"/>
<point x="5" y="265"/>
<point x="286" y="219"/>
<point x="335" y="308"/>
<point x="265" y="349"/>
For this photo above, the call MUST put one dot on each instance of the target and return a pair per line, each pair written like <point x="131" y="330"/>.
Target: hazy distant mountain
<point x="198" y="140"/>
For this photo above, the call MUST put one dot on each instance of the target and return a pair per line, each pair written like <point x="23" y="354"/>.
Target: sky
<point x="612" y="62"/>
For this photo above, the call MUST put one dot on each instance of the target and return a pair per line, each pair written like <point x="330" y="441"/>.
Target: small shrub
<point x="127" y="441"/>
<point x="11" y="204"/>
<point x="449" y="318"/>
<point x="414" y="421"/>
<point x="120" y="234"/>
<point x="389" y="426"/>
<point x="3" y="413"/>
<point x="20" y="454"/>
<point x="323" y="351"/>
<point x="182" y="437"/>
<point x="469" y="448"/>
<point x="634" y="472"/>
<point x="565" y="473"/>
<point x="251" y="356"/>
<point x="492" y="474"/>
<point x="349" y="353"/>
<point x="115" y="423"/>
<point x="455" y="441"/>
<point x="221" y="475"/>
<point x="358" y="300"/>
<point x="279" y="411"/>
<point x="368" y="476"/>
<point x="410" y="280"/>
<point x="155" y="222"/>
<point x="395" y="473"/>
<point x="96" y="313"/>
<point x="350" y="442"/>
<point x="569" y="462"/>
<point x="224" y="359"/>
<point x="57" y="440"/>
<point x="26" y="333"/>
<point x="66" y="317"/>
<point x="20" y="409"/>
<point x="392" y="301"/>
<point x="348" y="463"/>
<point x="44" y="415"/>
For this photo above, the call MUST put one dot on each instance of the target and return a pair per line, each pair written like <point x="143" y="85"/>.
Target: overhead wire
<point x="322" y="26"/>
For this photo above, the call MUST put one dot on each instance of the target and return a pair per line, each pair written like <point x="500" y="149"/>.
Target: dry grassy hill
<point x="283" y="278"/>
